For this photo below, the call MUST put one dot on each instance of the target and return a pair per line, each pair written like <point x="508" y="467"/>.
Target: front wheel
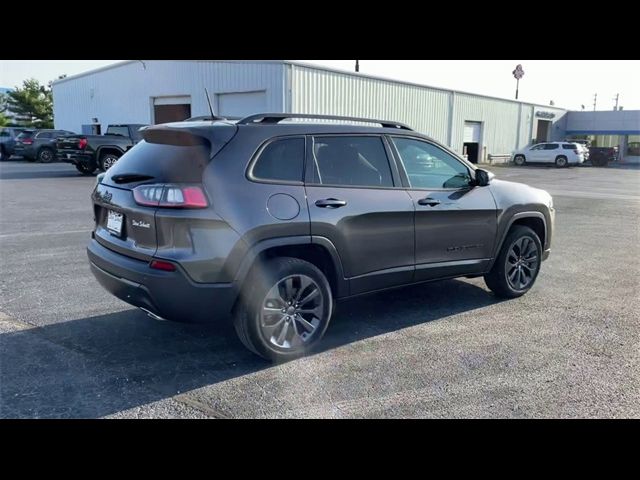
<point x="519" y="160"/>
<point x="284" y="309"/>
<point x="516" y="268"/>
<point x="108" y="160"/>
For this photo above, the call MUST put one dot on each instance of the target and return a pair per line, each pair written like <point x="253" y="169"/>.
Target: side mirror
<point x="483" y="177"/>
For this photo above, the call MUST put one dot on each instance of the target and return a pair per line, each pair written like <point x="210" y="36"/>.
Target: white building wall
<point x="334" y="93"/>
<point x="124" y="94"/>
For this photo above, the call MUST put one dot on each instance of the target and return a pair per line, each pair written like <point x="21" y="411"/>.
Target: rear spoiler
<point x="185" y="134"/>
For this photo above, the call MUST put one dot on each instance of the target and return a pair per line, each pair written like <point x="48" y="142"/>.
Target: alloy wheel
<point x="522" y="263"/>
<point x="291" y="312"/>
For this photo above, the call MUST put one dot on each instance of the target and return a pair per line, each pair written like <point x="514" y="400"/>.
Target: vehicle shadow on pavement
<point x="105" y="364"/>
<point x="38" y="174"/>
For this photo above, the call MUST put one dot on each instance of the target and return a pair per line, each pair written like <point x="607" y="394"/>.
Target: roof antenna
<point x="213" y="117"/>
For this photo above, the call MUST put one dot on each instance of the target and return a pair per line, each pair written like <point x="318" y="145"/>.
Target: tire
<point x="519" y="160"/>
<point x="561" y="161"/>
<point x="265" y="321"/>
<point x="108" y="160"/>
<point x="85" y="170"/>
<point x="45" y="155"/>
<point x="500" y="278"/>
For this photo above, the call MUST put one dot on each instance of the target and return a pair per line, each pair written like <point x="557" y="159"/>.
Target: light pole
<point x="518" y="73"/>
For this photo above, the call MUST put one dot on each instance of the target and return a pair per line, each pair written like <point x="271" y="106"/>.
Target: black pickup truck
<point x="91" y="152"/>
<point x="601" y="156"/>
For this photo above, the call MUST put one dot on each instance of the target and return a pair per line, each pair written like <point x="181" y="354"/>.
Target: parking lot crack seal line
<point x="185" y="399"/>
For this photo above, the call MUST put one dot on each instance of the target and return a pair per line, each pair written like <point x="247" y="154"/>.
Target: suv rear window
<point x="282" y="160"/>
<point x="163" y="163"/>
<point x="351" y="161"/>
<point x="26" y="134"/>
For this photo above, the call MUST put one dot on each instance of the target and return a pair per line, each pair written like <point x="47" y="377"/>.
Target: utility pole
<point x="595" y="98"/>
<point x="616" y="99"/>
<point x="357" y="65"/>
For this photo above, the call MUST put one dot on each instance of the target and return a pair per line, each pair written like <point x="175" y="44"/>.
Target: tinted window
<point x="538" y="147"/>
<point x="568" y="146"/>
<point x="123" y="131"/>
<point x="550" y="146"/>
<point x="281" y="160"/>
<point x="5" y="133"/>
<point x="44" y="135"/>
<point x="428" y="166"/>
<point x="357" y="161"/>
<point x="26" y="134"/>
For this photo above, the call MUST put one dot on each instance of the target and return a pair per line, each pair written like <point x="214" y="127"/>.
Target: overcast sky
<point x="569" y="83"/>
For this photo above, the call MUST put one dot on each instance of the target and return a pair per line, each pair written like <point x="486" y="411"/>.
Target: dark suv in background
<point x="272" y="222"/>
<point x="39" y="145"/>
<point x="8" y="137"/>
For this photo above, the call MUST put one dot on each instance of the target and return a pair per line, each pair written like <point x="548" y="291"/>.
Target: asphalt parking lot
<point x="569" y="348"/>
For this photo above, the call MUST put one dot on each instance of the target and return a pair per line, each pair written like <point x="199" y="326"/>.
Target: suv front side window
<point x="359" y="161"/>
<point x="540" y="146"/>
<point x="428" y="166"/>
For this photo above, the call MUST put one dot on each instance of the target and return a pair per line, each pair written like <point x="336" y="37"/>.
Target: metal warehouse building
<point x="159" y="91"/>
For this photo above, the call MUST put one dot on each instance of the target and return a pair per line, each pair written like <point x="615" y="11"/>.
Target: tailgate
<point x="131" y="229"/>
<point x="68" y="143"/>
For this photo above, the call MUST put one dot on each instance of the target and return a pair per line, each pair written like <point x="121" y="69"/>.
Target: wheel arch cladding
<point x="535" y="223"/>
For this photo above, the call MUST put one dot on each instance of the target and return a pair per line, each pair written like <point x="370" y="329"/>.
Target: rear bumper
<point x="170" y="295"/>
<point x="74" y="157"/>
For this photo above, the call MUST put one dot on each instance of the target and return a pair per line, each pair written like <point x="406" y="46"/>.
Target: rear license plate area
<point x="114" y="222"/>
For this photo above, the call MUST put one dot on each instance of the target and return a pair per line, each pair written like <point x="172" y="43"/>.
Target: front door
<point x="455" y="222"/>
<point x="356" y="201"/>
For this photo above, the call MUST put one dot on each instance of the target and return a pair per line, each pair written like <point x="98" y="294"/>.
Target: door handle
<point x="330" y="203"/>
<point x="432" y="202"/>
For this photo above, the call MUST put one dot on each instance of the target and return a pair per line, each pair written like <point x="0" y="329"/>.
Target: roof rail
<point x="271" y="118"/>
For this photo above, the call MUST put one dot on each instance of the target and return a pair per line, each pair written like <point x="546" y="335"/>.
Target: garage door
<point x="471" y="132"/>
<point x="241" y="104"/>
<point x="171" y="109"/>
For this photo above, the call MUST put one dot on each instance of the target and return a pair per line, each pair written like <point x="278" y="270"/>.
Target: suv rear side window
<point x="568" y="146"/>
<point x="44" y="135"/>
<point x="351" y="161"/>
<point x="280" y="160"/>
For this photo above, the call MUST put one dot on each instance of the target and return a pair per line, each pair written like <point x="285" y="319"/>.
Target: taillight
<point x="162" y="265"/>
<point x="27" y="141"/>
<point x="82" y="143"/>
<point x="170" y="196"/>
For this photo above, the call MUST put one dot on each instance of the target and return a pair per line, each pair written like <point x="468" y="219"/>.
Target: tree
<point x="3" y="108"/>
<point x="32" y="104"/>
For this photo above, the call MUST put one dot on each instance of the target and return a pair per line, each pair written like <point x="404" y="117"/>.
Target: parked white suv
<point x="562" y="154"/>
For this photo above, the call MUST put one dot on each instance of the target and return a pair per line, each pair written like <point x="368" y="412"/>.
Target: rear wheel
<point x="516" y="268"/>
<point x="84" y="169"/>
<point x="284" y="309"/>
<point x="45" y="155"/>
<point x="519" y="160"/>
<point x="108" y="160"/>
<point x="561" y="161"/>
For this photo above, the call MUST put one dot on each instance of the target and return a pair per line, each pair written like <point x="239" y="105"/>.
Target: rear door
<point x="455" y="222"/>
<point x="550" y="152"/>
<point x="355" y="200"/>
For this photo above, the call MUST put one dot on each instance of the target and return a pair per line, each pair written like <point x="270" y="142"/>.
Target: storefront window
<point x="633" y="145"/>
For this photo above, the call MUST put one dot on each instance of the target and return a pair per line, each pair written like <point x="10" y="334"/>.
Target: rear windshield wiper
<point x="131" y="177"/>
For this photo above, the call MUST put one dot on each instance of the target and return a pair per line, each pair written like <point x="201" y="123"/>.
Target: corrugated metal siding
<point x="124" y="94"/>
<point x="332" y="93"/>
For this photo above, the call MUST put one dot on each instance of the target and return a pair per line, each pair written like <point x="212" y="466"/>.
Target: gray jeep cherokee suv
<point x="270" y="222"/>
